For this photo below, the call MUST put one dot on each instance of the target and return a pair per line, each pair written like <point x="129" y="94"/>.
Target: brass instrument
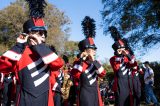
<point x="67" y="83"/>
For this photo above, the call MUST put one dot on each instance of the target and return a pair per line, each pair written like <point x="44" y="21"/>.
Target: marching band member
<point x="32" y="61"/>
<point x="87" y="69"/>
<point x="122" y="62"/>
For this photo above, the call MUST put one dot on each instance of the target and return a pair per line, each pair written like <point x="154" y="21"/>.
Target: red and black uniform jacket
<point x="56" y="80"/>
<point x="121" y="66"/>
<point x="136" y="71"/>
<point x="85" y="76"/>
<point x="32" y="66"/>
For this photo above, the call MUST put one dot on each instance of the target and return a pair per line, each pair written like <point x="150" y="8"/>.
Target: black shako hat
<point x="86" y="43"/>
<point x="34" y="25"/>
<point x="36" y="22"/>
<point x="118" y="44"/>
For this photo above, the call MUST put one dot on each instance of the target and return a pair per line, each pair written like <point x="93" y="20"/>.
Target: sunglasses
<point x="39" y="32"/>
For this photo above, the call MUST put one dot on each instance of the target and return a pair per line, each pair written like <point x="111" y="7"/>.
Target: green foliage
<point x="13" y="17"/>
<point x="71" y="50"/>
<point x="107" y="67"/>
<point x="57" y="27"/>
<point x="11" y="21"/>
<point x="109" y="71"/>
<point x="138" y="21"/>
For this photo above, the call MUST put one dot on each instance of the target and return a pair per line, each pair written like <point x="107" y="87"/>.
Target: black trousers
<point x="57" y="99"/>
<point x="7" y="92"/>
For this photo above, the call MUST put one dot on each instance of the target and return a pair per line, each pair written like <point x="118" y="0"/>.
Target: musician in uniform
<point x="32" y="61"/>
<point x="87" y="69"/>
<point x="56" y="84"/>
<point x="122" y="62"/>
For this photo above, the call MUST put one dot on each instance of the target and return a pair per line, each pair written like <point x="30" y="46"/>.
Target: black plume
<point x="88" y="27"/>
<point x="37" y="8"/>
<point x="114" y="33"/>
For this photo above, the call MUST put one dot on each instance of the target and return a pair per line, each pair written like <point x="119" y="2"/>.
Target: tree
<point x="138" y="20"/>
<point x="11" y="21"/>
<point x="71" y="50"/>
<point x="13" y="17"/>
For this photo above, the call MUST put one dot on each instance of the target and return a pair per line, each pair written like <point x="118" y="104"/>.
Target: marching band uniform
<point x="123" y="85"/>
<point x="56" y="84"/>
<point x="85" y="74"/>
<point x="8" y="90"/>
<point x="32" y="65"/>
<point x="136" y="71"/>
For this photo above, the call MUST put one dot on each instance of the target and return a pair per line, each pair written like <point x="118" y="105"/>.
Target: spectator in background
<point x="149" y="82"/>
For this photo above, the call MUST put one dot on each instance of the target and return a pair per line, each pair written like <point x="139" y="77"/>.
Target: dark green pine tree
<point x="137" y="20"/>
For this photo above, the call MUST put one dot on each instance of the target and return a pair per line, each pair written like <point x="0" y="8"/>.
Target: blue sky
<point x="76" y="10"/>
